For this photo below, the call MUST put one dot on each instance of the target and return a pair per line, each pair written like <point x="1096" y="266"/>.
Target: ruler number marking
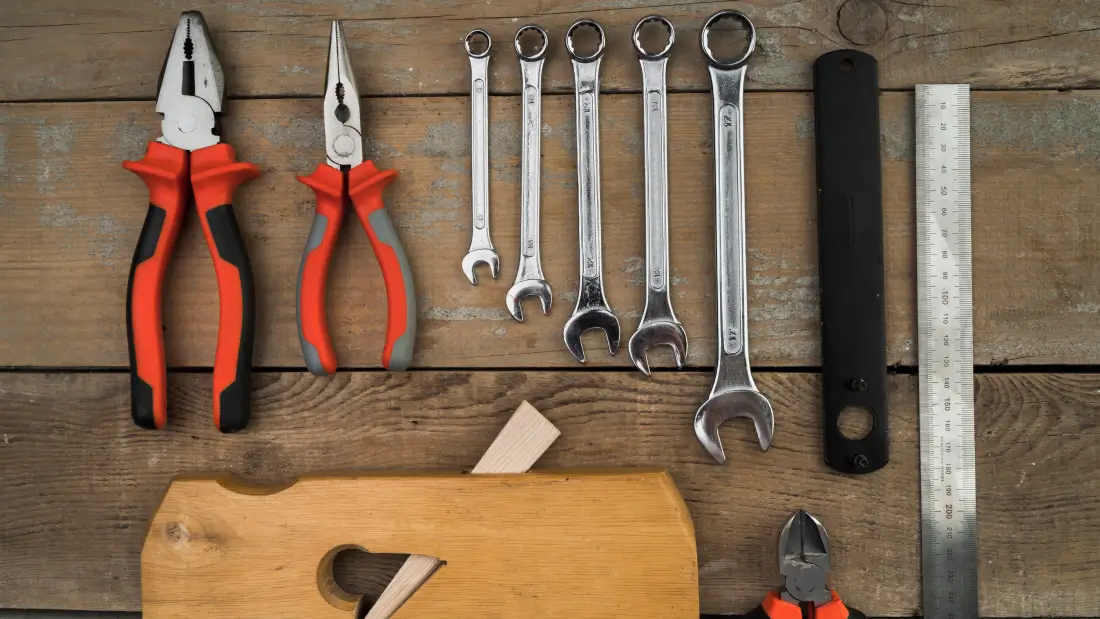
<point x="948" y="494"/>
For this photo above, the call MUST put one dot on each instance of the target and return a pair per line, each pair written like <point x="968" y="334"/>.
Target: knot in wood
<point x="862" y="22"/>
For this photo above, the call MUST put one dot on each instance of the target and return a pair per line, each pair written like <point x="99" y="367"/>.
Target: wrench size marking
<point x="658" y="325"/>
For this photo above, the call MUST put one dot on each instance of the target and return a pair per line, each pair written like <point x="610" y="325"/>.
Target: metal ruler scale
<point x="949" y="521"/>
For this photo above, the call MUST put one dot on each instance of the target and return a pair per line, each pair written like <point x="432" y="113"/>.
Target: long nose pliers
<point x="346" y="178"/>
<point x="804" y="563"/>
<point x="189" y="161"/>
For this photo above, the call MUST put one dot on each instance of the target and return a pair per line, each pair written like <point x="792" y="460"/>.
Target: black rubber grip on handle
<point x="850" y="242"/>
<point x="235" y="399"/>
<point x="141" y="393"/>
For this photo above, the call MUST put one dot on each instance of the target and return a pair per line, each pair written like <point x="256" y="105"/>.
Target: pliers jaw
<point x="804" y="560"/>
<point x="191" y="88"/>
<point x="343" y="123"/>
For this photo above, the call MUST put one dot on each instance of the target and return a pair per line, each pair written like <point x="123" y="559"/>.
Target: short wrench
<point x="481" y="246"/>
<point x="592" y="311"/>
<point x="734" y="393"/>
<point x="529" y="280"/>
<point x="658" y="325"/>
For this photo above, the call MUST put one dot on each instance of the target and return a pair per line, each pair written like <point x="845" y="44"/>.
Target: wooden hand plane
<point x="576" y="544"/>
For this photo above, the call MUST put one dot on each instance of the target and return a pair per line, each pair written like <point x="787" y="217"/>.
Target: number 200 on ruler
<point x="949" y="533"/>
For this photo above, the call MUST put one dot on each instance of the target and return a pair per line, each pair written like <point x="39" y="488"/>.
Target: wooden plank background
<point x="1035" y="291"/>
<point x="78" y="482"/>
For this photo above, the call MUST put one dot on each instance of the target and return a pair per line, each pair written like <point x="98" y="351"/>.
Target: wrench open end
<point x="528" y="288"/>
<point x="586" y="320"/>
<point x="662" y="333"/>
<point x="722" y="407"/>
<point x="478" y="257"/>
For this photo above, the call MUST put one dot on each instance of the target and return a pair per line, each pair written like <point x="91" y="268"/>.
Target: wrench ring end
<point x="538" y="55"/>
<point x="704" y="39"/>
<point x="478" y="33"/>
<point x="581" y="23"/>
<point x="640" y="49"/>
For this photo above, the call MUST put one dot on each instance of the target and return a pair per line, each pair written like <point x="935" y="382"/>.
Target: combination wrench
<point x="529" y="279"/>
<point x="481" y="246"/>
<point x="734" y="393"/>
<point x="591" y="311"/>
<point x="658" y="325"/>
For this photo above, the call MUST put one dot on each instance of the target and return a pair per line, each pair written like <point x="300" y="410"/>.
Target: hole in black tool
<point x="728" y="39"/>
<point x="478" y="43"/>
<point x="846" y="65"/>
<point x="531" y="42"/>
<point x="855" y="422"/>
<point x="586" y="40"/>
<point x="654" y="36"/>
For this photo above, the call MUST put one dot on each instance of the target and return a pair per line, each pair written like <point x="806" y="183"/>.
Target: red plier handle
<point x="215" y="175"/>
<point x="165" y="172"/>
<point x="363" y="186"/>
<point x="775" y="607"/>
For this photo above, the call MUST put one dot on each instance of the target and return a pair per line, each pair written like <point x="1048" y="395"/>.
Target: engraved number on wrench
<point x="529" y="279"/>
<point x="481" y="246"/>
<point x="592" y="311"/>
<point x="658" y="325"/>
<point x="734" y="393"/>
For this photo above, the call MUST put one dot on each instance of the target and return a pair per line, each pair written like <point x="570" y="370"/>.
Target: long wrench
<point x="481" y="246"/>
<point x="592" y="311"/>
<point x="734" y="393"/>
<point x="658" y="325"/>
<point x="529" y="279"/>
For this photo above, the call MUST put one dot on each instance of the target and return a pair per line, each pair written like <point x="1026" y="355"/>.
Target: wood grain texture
<point x="80" y="481"/>
<point x="413" y="573"/>
<point x="600" y="543"/>
<point x="94" y="50"/>
<point x="70" y="216"/>
<point x="521" y="442"/>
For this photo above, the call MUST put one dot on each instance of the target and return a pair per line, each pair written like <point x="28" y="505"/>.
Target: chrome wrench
<point x="481" y="246"/>
<point x="529" y="280"/>
<point x="734" y="393"/>
<point x="658" y="325"/>
<point x="592" y="311"/>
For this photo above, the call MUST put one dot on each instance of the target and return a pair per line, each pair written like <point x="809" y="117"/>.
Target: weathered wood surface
<point x="70" y="216"/>
<point x="80" y="481"/>
<point x="104" y="50"/>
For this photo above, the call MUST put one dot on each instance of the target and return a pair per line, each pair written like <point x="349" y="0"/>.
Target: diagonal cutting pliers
<point x="345" y="177"/>
<point x="804" y="563"/>
<point x="188" y="161"/>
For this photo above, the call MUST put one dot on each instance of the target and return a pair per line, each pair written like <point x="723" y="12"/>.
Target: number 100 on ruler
<point x="949" y="531"/>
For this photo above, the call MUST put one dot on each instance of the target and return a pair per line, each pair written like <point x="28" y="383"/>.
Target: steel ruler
<point x="949" y="520"/>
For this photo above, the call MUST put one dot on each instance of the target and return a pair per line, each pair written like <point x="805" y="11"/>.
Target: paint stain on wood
<point x="128" y="139"/>
<point x="772" y="66"/>
<point x="106" y="243"/>
<point x="447" y="139"/>
<point x="1067" y="125"/>
<point x="55" y="138"/>
<point x="451" y="314"/>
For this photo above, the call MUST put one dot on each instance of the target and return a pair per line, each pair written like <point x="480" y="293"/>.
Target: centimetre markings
<point x="949" y="531"/>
